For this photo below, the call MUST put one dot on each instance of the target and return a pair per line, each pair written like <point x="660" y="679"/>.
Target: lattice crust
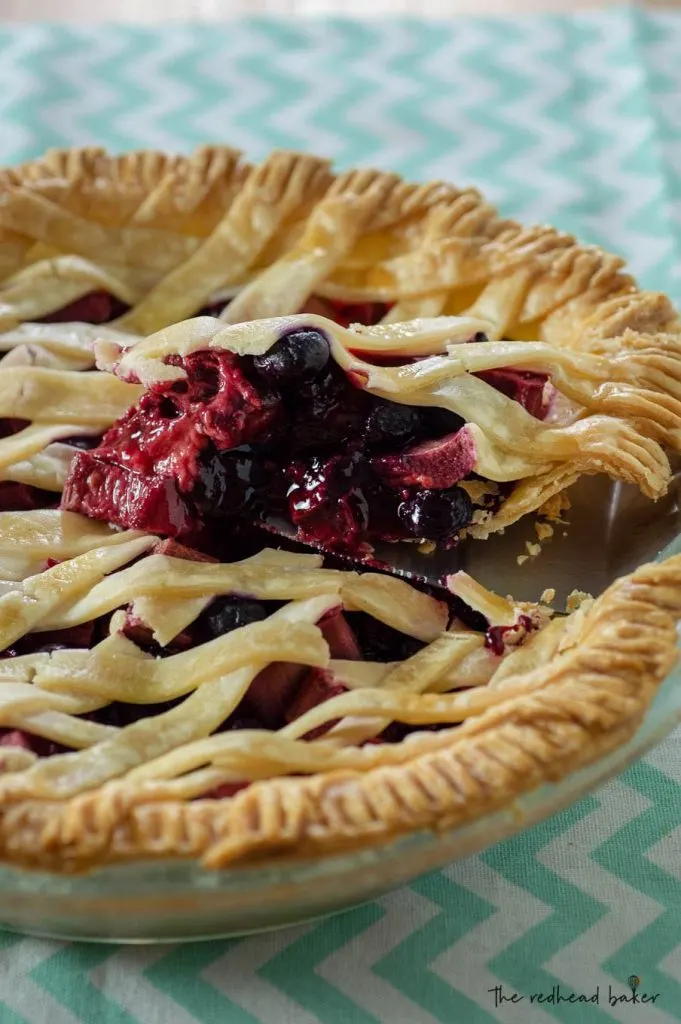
<point x="563" y="691"/>
<point x="168" y="235"/>
<point x="612" y="412"/>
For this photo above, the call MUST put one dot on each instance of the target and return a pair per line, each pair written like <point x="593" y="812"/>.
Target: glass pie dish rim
<point x="399" y="861"/>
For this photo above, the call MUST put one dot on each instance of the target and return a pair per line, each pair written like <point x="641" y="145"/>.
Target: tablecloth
<point x="573" y="120"/>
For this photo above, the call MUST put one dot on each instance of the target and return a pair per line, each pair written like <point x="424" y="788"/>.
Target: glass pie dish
<point x="169" y="902"/>
<point x="166" y="901"/>
<point x="252" y="637"/>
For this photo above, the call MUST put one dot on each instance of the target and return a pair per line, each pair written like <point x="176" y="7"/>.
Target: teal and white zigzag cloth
<point x="576" y="121"/>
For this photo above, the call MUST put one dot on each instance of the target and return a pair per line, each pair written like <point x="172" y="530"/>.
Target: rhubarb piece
<point x="272" y="691"/>
<point x="93" y="308"/>
<point x="340" y="637"/>
<point x="526" y="388"/>
<point x="318" y="687"/>
<point x="434" y="464"/>
<point x="110" y="492"/>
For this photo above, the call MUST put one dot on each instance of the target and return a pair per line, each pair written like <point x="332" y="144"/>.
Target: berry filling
<point x="93" y="308"/>
<point x="285" y="435"/>
<point x="526" y="388"/>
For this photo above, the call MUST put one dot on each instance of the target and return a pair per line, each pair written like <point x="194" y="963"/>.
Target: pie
<point x="228" y="394"/>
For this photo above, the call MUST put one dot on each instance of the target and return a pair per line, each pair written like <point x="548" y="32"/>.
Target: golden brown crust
<point x="421" y="246"/>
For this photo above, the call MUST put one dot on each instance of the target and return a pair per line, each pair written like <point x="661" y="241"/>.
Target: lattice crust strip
<point x="563" y="690"/>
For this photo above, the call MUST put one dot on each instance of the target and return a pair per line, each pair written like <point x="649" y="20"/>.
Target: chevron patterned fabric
<point x="575" y="121"/>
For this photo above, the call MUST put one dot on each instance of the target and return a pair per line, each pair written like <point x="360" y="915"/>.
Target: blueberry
<point x="392" y="424"/>
<point x="441" y="422"/>
<point x="226" y="614"/>
<point x="300" y="355"/>
<point x="436" y="515"/>
<point x="212" y="484"/>
<point x="480" y="337"/>
<point x="229" y="482"/>
<point x="84" y="443"/>
<point x="379" y="642"/>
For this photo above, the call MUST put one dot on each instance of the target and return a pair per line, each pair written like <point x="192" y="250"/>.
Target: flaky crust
<point x="157" y="229"/>
<point x="544" y="721"/>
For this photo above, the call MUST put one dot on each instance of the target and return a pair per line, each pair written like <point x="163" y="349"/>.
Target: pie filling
<point x="102" y="308"/>
<point x="290" y="438"/>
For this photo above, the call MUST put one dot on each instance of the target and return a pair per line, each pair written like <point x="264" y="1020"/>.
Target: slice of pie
<point x="220" y="378"/>
<point x="419" y="431"/>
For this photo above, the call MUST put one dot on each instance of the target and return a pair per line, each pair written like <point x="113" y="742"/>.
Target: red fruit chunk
<point x="526" y="388"/>
<point x="23" y="498"/>
<point x="221" y="402"/>
<point x="318" y="687"/>
<point x="368" y="313"/>
<point x="340" y="636"/>
<point x="94" y="308"/>
<point x="145" y="463"/>
<point x="345" y="313"/>
<point x="174" y="550"/>
<point x="154" y="438"/>
<point x="435" y="465"/>
<point x="272" y="692"/>
<point x="15" y="738"/>
<point x="25" y="741"/>
<point x="102" y="490"/>
<point x="225" y="790"/>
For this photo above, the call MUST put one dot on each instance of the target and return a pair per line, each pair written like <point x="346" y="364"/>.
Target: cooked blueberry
<point x="212" y="484"/>
<point x="226" y="614"/>
<point x="479" y="337"/>
<point x="84" y="443"/>
<point x="228" y="482"/>
<point x="441" y="422"/>
<point x="379" y="642"/>
<point x="297" y="356"/>
<point x="390" y="424"/>
<point x="436" y="515"/>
